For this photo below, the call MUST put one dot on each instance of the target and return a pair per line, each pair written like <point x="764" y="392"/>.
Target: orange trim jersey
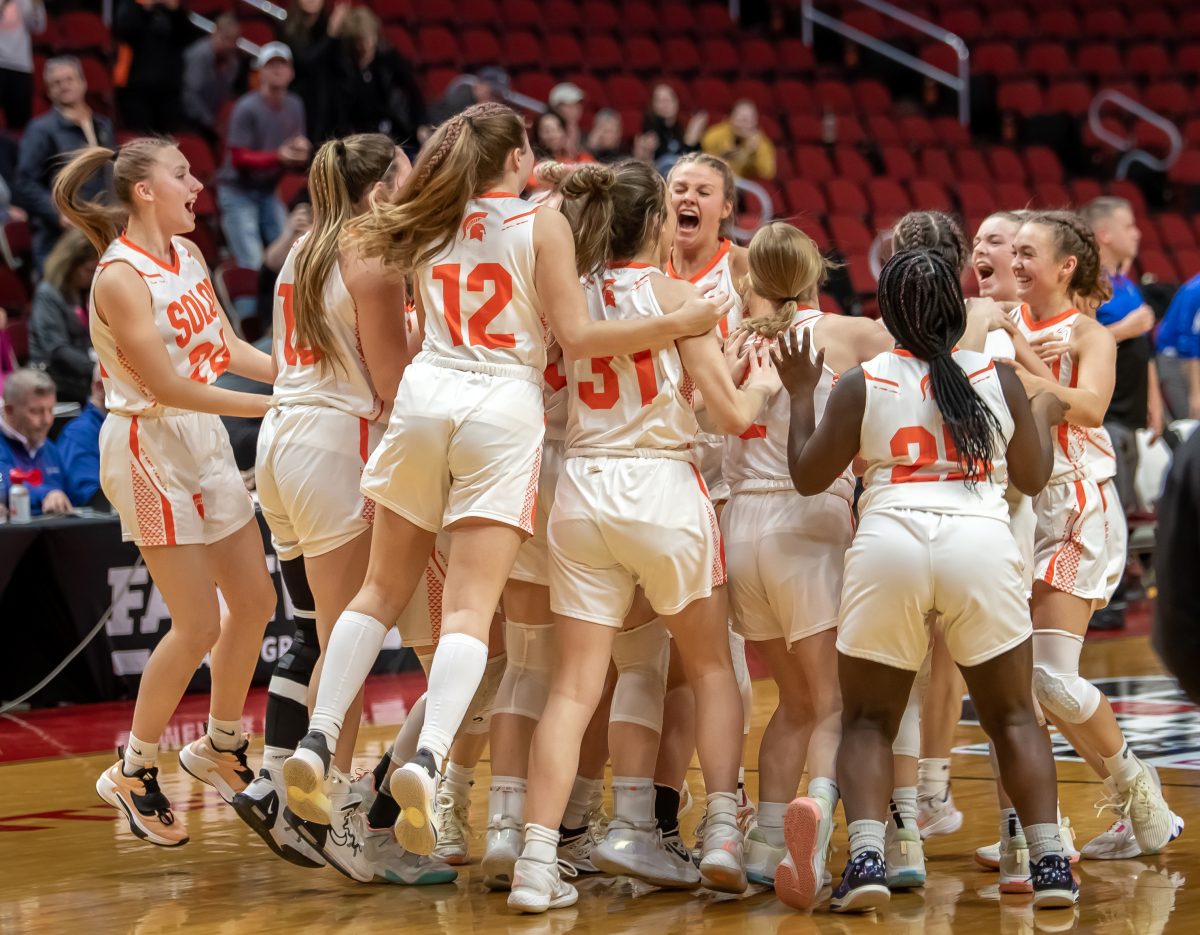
<point x="911" y="460"/>
<point x="478" y="294"/>
<point x="639" y="401"/>
<point x="1078" y="451"/>
<point x="186" y="316"/>
<point x="303" y="378"/>
<point x="717" y="276"/>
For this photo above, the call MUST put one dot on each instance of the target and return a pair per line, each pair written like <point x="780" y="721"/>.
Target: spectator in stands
<point x="210" y="71"/>
<point x="25" y="444"/>
<point x="550" y="140"/>
<point x="1179" y="352"/>
<point x="604" y="140"/>
<point x="49" y="140"/>
<point x="18" y="20"/>
<point x="741" y="143"/>
<point x="1136" y="400"/>
<point x="58" y="327"/>
<point x="489" y="84"/>
<point x="155" y="33"/>
<point x="671" y="140"/>
<point x="566" y="100"/>
<point x="312" y="32"/>
<point x="79" y="445"/>
<point x="266" y="136"/>
<point x="8" y="211"/>
<point x="378" y="91"/>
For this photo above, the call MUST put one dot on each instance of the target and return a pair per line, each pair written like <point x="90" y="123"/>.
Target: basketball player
<point x="955" y="421"/>
<point x="1080" y="534"/>
<point x="786" y="552"/>
<point x="462" y="448"/>
<point x="167" y="466"/>
<point x="631" y="508"/>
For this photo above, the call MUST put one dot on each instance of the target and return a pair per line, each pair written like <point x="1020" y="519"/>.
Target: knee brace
<point x="478" y="718"/>
<point x="526" y="683"/>
<point x="286" y="719"/>
<point x="908" y="737"/>
<point x="1057" y="683"/>
<point x="737" y="649"/>
<point x="642" y="656"/>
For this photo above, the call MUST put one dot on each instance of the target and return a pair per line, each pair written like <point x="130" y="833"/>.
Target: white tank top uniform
<point x="326" y="422"/>
<point x="631" y="508"/>
<point x="1080" y="534"/>
<point x="466" y="431"/>
<point x="169" y="473"/>
<point x="928" y="544"/>
<point x="716" y="277"/>
<point x="785" y="552"/>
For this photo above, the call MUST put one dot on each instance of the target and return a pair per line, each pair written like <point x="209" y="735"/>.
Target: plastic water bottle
<point x="18" y="500"/>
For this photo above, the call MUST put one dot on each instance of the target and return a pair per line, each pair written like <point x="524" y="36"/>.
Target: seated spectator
<point x="742" y="144"/>
<point x="490" y="84"/>
<point x="312" y="31"/>
<point x="1178" y="346"/>
<point x="25" y="444"/>
<point x="549" y="140"/>
<point x="210" y="71"/>
<point x="58" y="327"/>
<point x="377" y="89"/>
<point x="79" y="446"/>
<point x="266" y="136"/>
<point x="46" y="144"/>
<point x="671" y="140"/>
<point x="149" y="77"/>
<point x="566" y="100"/>
<point x="604" y="142"/>
<point x="19" y="19"/>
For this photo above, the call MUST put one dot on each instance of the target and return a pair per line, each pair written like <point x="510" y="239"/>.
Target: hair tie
<point x="113" y="154"/>
<point x="340" y="149"/>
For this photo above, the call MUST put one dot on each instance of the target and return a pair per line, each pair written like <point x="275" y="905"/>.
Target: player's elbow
<point x="807" y="482"/>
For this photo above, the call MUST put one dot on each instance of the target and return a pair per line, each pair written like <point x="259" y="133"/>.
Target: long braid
<point x="932" y="230"/>
<point x="1074" y="237"/>
<point x="922" y="305"/>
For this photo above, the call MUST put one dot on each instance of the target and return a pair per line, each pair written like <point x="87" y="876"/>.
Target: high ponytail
<point x="1074" y="237"/>
<point x="342" y="173"/>
<point x="464" y="154"/>
<point x="100" y="222"/>
<point x="613" y="211"/>
<point x="786" y="267"/>
<point x="921" y="303"/>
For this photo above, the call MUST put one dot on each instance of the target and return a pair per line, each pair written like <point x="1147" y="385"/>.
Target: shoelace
<point x="152" y="795"/>
<point x="452" y="820"/>
<point x="597" y="823"/>
<point x="1115" y="803"/>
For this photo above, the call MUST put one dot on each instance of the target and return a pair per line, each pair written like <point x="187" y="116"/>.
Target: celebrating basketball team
<point x="577" y="452"/>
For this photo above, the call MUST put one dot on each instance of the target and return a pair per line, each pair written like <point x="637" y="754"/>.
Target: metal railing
<point x="959" y="83"/>
<point x="1128" y="145"/>
<point x="204" y="24"/>
<point x="766" y="205"/>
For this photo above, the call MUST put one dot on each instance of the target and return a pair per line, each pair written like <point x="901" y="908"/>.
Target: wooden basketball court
<point x="70" y="866"/>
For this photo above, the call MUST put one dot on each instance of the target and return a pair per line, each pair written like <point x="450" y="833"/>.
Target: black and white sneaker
<point x="863" y="886"/>
<point x="1053" y="885"/>
<point x="258" y="806"/>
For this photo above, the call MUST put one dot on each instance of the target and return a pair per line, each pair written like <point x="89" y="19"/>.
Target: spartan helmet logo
<point x="610" y="298"/>
<point x="472" y="226"/>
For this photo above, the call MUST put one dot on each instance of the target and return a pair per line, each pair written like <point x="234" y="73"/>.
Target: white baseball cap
<point x="566" y="93"/>
<point x="271" y="51"/>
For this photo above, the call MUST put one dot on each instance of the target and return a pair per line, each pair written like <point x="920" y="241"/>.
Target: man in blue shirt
<point x="29" y="397"/>
<point x="79" y="445"/>
<point x="1179" y="352"/>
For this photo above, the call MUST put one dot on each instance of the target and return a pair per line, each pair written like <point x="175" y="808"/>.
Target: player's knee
<point x="526" y="683"/>
<point x="1059" y="687"/>
<point x="641" y="656"/>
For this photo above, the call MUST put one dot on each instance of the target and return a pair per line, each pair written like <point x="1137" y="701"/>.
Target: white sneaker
<point x="937" y="815"/>
<point x="685" y="800"/>
<point x="1014" y="866"/>
<point x="988" y="857"/>
<point x="722" y="856"/>
<point x="1067" y="835"/>
<point x="904" y="857"/>
<point x="413" y="789"/>
<point x="343" y="842"/>
<point x="452" y="820"/>
<point x="390" y="863"/>
<point x="747" y="814"/>
<point x="576" y="851"/>
<point x="363" y="784"/>
<point x="258" y="805"/>
<point x="538" y="886"/>
<point x="1119" y="842"/>
<point x="637" y="851"/>
<point x="501" y="849"/>
<point x="1149" y="814"/>
<point x="762" y="858"/>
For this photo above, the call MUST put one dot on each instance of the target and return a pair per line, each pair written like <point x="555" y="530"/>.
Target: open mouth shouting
<point x="688" y="219"/>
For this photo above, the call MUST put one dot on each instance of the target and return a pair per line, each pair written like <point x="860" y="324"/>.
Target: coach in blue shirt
<point x="1179" y="352"/>
<point x="29" y="397"/>
<point x="79" y="445"/>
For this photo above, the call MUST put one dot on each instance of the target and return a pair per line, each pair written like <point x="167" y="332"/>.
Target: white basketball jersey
<point x="478" y="294"/>
<point x="625" y="403"/>
<point x="185" y="313"/>
<point x="715" y="277"/>
<point x="910" y="456"/>
<point x="554" y="394"/>
<point x="757" y="459"/>
<point x="1078" y="451"/>
<point x="302" y="377"/>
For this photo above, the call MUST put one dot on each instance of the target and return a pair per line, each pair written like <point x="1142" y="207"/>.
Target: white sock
<point x="933" y="777"/>
<point x="1043" y="839"/>
<point x="633" y="799"/>
<point x="770" y="821"/>
<point x="1010" y="825"/>
<point x="272" y="762"/>
<point x="905" y="799"/>
<point x="506" y="801"/>
<point x="865" y="835"/>
<point x="353" y="648"/>
<point x="541" y="844"/>
<point x="583" y="794"/>
<point x="824" y="789"/>
<point x="139" y="755"/>
<point x="454" y="677"/>
<point x="458" y="781"/>
<point x="1123" y="767"/>
<point x="225" y="735"/>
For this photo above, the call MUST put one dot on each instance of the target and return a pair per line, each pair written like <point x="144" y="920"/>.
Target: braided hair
<point x="921" y="302"/>
<point x="1074" y="237"/>
<point x="932" y="230"/>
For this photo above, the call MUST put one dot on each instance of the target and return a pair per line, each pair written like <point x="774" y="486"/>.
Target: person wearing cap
<point x="566" y="100"/>
<point x="488" y="84"/>
<point x="266" y="137"/>
<point x="149" y="78"/>
<point x="210" y="72"/>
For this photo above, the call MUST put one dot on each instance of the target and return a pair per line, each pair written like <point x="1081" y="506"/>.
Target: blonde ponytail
<point x="786" y="267"/>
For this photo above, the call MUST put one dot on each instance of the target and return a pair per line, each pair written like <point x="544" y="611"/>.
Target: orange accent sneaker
<point x="141" y="801"/>
<point x="225" y="770"/>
